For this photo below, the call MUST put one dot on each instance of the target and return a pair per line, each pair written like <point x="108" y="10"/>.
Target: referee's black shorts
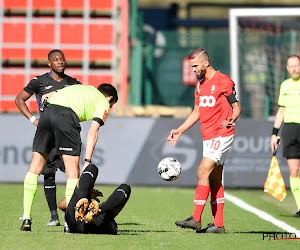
<point x="58" y="127"/>
<point x="291" y="140"/>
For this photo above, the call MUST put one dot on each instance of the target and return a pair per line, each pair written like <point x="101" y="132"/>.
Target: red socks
<point x="217" y="205"/>
<point x="201" y="196"/>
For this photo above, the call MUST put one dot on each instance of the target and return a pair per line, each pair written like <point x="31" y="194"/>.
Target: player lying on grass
<point x="85" y="215"/>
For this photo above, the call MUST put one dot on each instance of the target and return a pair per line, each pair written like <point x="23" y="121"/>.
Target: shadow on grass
<point x="258" y="232"/>
<point x="130" y="224"/>
<point x="288" y="216"/>
<point x="138" y="232"/>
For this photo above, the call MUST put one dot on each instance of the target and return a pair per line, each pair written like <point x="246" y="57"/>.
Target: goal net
<point x="261" y="39"/>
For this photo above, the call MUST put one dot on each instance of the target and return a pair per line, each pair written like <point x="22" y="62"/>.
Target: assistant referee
<point x="289" y="114"/>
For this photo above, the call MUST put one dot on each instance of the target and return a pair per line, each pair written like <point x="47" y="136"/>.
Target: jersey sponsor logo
<point x="104" y="115"/>
<point x="66" y="149"/>
<point x="49" y="87"/>
<point x="207" y="101"/>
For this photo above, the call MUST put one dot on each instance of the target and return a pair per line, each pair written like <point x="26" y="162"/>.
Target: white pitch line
<point x="265" y="216"/>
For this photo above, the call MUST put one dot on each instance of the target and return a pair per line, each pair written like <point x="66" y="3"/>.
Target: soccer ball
<point x="169" y="169"/>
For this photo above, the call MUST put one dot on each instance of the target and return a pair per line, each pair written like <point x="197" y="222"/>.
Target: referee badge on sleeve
<point x="104" y="115"/>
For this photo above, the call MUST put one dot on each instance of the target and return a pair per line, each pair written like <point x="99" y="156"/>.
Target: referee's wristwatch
<point x="88" y="160"/>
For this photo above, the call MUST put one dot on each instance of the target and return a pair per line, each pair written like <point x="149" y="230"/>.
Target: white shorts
<point x="217" y="148"/>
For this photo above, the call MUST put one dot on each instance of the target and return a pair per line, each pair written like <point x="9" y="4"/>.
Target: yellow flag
<point x="274" y="184"/>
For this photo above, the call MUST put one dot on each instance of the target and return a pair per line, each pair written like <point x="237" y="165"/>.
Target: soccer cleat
<point x="81" y="209"/>
<point x="296" y="215"/>
<point x="189" y="223"/>
<point x="92" y="213"/>
<point x="53" y="223"/>
<point x="216" y="230"/>
<point x="203" y="230"/>
<point x="66" y="228"/>
<point x="26" y="225"/>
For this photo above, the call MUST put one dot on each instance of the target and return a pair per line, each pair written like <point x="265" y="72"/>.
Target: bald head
<point x="293" y="66"/>
<point x="199" y="53"/>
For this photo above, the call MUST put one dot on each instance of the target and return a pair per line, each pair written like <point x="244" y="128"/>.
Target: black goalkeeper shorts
<point x="54" y="162"/>
<point x="58" y="128"/>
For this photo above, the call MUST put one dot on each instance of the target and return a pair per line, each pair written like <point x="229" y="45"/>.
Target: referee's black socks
<point x="50" y="193"/>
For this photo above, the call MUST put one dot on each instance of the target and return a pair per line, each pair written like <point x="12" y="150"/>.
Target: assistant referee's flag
<point x="274" y="184"/>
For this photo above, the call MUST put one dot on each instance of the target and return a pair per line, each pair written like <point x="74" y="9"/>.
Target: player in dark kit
<point x="51" y="81"/>
<point x="89" y="217"/>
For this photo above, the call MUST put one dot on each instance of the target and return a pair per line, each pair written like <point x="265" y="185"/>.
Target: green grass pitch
<point x="147" y="222"/>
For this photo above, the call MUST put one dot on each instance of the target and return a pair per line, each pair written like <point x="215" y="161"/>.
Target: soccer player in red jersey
<point x="217" y="108"/>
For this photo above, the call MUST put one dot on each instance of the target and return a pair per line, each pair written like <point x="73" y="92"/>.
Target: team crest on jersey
<point x="212" y="89"/>
<point x="104" y="115"/>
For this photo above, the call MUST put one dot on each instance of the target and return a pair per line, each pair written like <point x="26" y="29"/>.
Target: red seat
<point x="73" y="54"/>
<point x="100" y="55"/>
<point x="106" y="5"/>
<point x="13" y="54"/>
<point x="96" y="80"/>
<point x="43" y="4"/>
<point x="101" y="34"/>
<point x="8" y="106"/>
<point x="12" y="84"/>
<point x="43" y="32"/>
<point x="39" y="54"/>
<point x="15" y="4"/>
<point x="33" y="106"/>
<point x="14" y="32"/>
<point x="71" y="33"/>
<point x="73" y="4"/>
<point x="78" y="77"/>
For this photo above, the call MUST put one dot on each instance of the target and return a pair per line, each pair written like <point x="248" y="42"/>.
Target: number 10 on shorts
<point x="215" y="144"/>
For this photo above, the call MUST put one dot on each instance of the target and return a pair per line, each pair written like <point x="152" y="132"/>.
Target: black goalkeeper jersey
<point x="44" y="84"/>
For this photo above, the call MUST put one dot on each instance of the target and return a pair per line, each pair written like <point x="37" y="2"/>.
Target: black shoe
<point x="66" y="229"/>
<point x="26" y="225"/>
<point x="189" y="223"/>
<point x="215" y="230"/>
<point x="203" y="230"/>
<point x="296" y="215"/>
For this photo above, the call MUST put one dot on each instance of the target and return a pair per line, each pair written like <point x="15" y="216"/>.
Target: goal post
<point x="280" y="20"/>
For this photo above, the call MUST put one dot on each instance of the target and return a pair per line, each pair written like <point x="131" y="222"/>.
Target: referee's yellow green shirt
<point x="86" y="101"/>
<point x="289" y="98"/>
